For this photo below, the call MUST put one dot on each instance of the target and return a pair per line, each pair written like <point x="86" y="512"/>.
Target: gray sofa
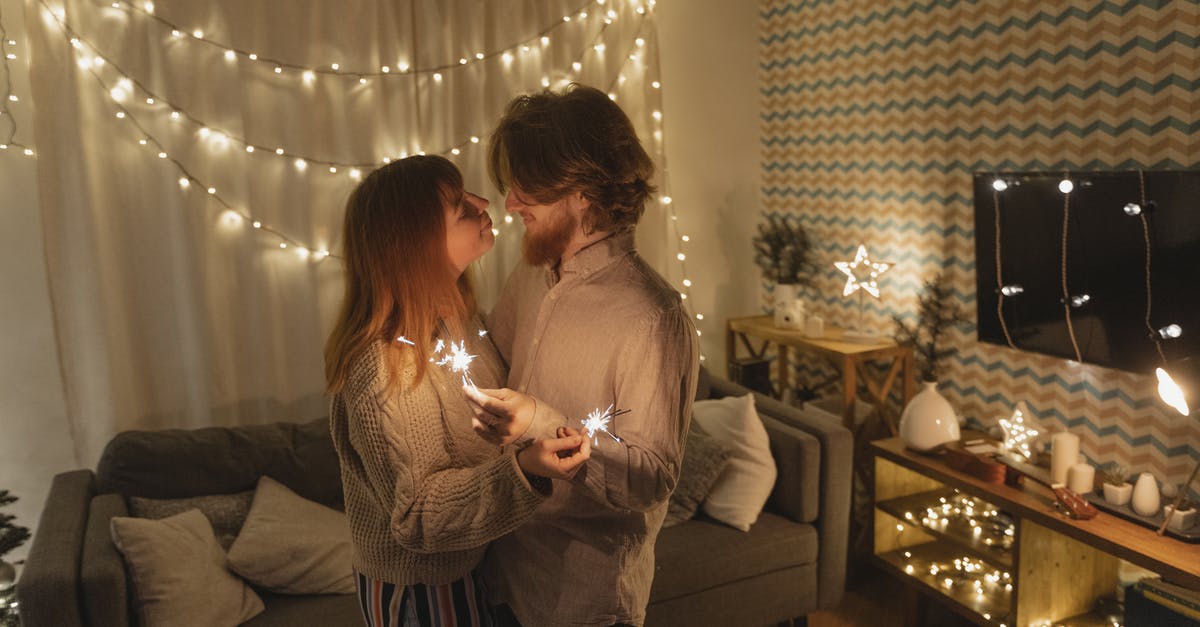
<point x="793" y="560"/>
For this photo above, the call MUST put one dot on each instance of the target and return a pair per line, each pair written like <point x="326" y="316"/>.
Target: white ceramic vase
<point x="1118" y="494"/>
<point x="928" y="420"/>
<point x="1145" y="501"/>
<point x="785" y="306"/>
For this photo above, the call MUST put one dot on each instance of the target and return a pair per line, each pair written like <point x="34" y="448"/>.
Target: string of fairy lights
<point x="124" y="91"/>
<point x="7" y="119"/>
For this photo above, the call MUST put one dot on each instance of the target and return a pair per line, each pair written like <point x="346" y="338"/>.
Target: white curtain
<point x="171" y="309"/>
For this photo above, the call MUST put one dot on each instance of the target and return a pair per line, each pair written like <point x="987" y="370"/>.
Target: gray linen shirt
<point x="609" y="331"/>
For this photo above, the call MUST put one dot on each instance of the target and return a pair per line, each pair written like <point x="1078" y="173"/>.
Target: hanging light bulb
<point x="999" y="185"/>
<point x="1170" y="332"/>
<point x="1170" y="392"/>
<point x="1012" y="290"/>
<point x="1079" y="300"/>
<point x="1066" y="186"/>
<point x="1133" y="209"/>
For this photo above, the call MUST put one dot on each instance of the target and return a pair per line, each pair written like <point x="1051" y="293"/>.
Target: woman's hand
<point x="557" y="458"/>
<point x="501" y="416"/>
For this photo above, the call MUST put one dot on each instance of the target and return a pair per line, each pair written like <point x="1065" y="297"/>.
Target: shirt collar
<point x="597" y="255"/>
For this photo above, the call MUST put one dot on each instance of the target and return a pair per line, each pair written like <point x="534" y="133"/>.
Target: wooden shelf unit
<point x="1059" y="568"/>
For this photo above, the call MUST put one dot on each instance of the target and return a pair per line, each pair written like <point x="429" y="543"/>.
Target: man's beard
<point x="548" y="243"/>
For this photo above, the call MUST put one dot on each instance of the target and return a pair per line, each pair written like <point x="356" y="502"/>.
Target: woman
<point x="424" y="494"/>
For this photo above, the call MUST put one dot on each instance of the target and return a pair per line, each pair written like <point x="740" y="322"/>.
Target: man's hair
<point x="552" y="144"/>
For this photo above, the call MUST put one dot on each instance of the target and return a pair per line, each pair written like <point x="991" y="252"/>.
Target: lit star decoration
<point x="862" y="273"/>
<point x="1017" y="435"/>
<point x="597" y="421"/>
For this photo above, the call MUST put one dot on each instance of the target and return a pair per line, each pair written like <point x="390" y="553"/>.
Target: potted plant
<point x="1182" y="518"/>
<point x="1116" y="486"/>
<point x="11" y="537"/>
<point x="928" y="417"/>
<point x="784" y="252"/>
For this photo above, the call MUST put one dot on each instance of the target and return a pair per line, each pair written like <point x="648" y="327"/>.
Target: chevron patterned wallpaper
<point x="875" y="115"/>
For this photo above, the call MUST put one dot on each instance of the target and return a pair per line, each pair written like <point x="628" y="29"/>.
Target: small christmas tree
<point x="784" y="251"/>
<point x="937" y="311"/>
<point x="11" y="535"/>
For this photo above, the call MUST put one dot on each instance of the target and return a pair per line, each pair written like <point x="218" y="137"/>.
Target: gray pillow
<point x="703" y="460"/>
<point x="226" y="512"/>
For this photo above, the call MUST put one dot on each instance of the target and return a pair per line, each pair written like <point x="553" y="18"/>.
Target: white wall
<point x="35" y="441"/>
<point x="709" y="55"/>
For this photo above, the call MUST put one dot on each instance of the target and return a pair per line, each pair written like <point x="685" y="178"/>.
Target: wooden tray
<point x="1191" y="535"/>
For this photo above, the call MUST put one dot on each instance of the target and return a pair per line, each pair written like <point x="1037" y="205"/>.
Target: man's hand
<point x="558" y="458"/>
<point x="501" y="416"/>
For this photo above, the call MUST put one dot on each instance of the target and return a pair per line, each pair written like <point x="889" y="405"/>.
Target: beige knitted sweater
<point x="424" y="494"/>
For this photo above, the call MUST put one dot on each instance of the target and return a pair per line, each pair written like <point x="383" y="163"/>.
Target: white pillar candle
<point x="814" y="326"/>
<point x="1081" y="478"/>
<point x="1064" y="453"/>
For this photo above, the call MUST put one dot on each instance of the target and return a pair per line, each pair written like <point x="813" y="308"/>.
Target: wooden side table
<point x="848" y="358"/>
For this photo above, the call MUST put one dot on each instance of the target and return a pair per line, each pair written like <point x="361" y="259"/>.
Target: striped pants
<point x="461" y="603"/>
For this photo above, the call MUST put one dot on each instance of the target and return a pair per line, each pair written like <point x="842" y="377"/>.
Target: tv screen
<point x="1104" y="266"/>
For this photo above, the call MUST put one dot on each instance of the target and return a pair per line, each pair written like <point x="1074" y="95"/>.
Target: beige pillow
<point x="292" y="545"/>
<point x="179" y="572"/>
<point x="738" y="496"/>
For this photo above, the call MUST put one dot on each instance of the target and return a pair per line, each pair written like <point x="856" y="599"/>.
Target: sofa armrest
<point x="105" y="598"/>
<point x="836" y="481"/>
<point x="48" y="590"/>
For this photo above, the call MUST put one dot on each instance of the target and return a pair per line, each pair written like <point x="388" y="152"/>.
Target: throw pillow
<point x="744" y="486"/>
<point x="178" y="571"/>
<point x="292" y="545"/>
<point x="226" y="512"/>
<point x="703" y="460"/>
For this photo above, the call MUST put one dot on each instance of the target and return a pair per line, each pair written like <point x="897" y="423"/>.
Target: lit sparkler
<point x="598" y="421"/>
<point x="405" y="340"/>
<point x="458" y="359"/>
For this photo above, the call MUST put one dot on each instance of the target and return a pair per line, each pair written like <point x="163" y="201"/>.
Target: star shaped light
<point x="1017" y="435"/>
<point x="862" y="273"/>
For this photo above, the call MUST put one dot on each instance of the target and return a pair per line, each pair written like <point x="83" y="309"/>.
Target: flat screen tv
<point x="1104" y="267"/>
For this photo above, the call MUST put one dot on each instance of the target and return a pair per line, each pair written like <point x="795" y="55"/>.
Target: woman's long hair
<point x="399" y="278"/>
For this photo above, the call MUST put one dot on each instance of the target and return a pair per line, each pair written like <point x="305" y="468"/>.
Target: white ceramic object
<point x="1118" y="494"/>
<point x="1182" y="520"/>
<point x="1145" y="500"/>
<point x="784" y="298"/>
<point x="814" y="326"/>
<point x="790" y="315"/>
<point x="928" y="420"/>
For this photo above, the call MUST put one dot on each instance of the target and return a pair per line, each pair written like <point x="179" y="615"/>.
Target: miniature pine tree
<point x="11" y="534"/>
<point x="937" y="311"/>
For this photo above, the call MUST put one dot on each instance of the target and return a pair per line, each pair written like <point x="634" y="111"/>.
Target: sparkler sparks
<point x="405" y="340"/>
<point x="458" y="359"/>
<point x="598" y="421"/>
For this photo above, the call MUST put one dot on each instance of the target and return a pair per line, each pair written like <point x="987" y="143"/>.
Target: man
<point x="584" y="324"/>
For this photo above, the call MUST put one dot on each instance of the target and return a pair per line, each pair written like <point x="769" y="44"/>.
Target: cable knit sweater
<point x="424" y="494"/>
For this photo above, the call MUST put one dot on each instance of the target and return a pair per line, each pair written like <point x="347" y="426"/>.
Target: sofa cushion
<point x="702" y="553"/>
<point x="292" y="545"/>
<point x="703" y="460"/>
<point x="178" y="570"/>
<point x="226" y="512"/>
<point x="285" y="610"/>
<point x="745" y="484"/>
<point x="176" y="463"/>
